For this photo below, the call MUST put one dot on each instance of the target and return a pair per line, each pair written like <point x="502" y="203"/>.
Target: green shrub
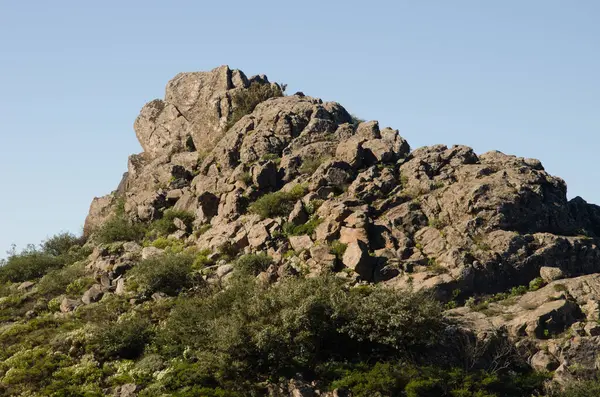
<point x="246" y="100"/>
<point x="79" y="286"/>
<point x="590" y="388"/>
<point x="29" y="264"/>
<point x="253" y="263"/>
<point x="289" y="229"/>
<point x="120" y="339"/>
<point x="165" y="226"/>
<point x="56" y="281"/>
<point x="249" y="332"/>
<point x="61" y="244"/>
<point x="169" y="273"/>
<point x="118" y="228"/>
<point x="278" y="203"/>
<point x="310" y="165"/>
<point x="169" y="244"/>
<point x="338" y="249"/>
<point x="536" y="284"/>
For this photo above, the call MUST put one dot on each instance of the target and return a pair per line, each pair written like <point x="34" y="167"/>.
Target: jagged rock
<point x="300" y="243"/>
<point x="25" y="286"/>
<point x="298" y="216"/>
<point x="126" y="390"/>
<point x="93" y="294"/>
<point x="549" y="274"/>
<point x="68" y="305"/>
<point x="258" y="235"/>
<point x="357" y="258"/>
<point x="351" y="235"/>
<point x="223" y="270"/>
<point x="120" y="287"/>
<point x="264" y="175"/>
<point x="544" y="361"/>
<point x="592" y="329"/>
<point x="151" y="252"/>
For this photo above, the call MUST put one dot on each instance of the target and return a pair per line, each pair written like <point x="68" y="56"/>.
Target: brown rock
<point x="93" y="294"/>
<point x="358" y="259"/>
<point x="300" y="243"/>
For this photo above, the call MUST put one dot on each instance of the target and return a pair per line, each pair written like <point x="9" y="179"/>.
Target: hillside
<point x="272" y="244"/>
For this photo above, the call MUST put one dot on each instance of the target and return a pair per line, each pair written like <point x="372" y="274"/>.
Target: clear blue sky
<point x="518" y="76"/>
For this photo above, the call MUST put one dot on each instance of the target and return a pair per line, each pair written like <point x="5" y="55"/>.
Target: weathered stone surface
<point x="151" y="252"/>
<point x="68" y="305"/>
<point x="543" y="361"/>
<point x="549" y="274"/>
<point x="93" y="294"/>
<point x="300" y="243"/>
<point x="356" y="257"/>
<point x="25" y="286"/>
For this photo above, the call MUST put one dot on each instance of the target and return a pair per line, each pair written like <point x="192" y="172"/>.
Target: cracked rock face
<point x="436" y="218"/>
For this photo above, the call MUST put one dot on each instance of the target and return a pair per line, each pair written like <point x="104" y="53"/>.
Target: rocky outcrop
<point x="437" y="218"/>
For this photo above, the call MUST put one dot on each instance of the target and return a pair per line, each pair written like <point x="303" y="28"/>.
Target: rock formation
<point x="465" y="226"/>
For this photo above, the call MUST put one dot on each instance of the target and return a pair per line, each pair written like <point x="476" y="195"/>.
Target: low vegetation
<point x="277" y="203"/>
<point x="246" y="100"/>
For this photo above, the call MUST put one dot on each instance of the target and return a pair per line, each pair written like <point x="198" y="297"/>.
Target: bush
<point x="248" y="332"/>
<point x="246" y="100"/>
<point x="57" y="281"/>
<point x="338" y="249"/>
<point x="289" y="229"/>
<point x="253" y="264"/>
<point x="278" y="203"/>
<point x="120" y="339"/>
<point x="29" y="264"/>
<point x="310" y="165"/>
<point x="169" y="273"/>
<point x="118" y="228"/>
<point x="61" y="244"/>
<point x="165" y="226"/>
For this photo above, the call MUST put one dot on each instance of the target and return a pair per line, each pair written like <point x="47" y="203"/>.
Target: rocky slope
<point x="232" y="166"/>
<point x="437" y="218"/>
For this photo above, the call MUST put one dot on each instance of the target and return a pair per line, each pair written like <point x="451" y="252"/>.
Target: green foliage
<point x="338" y="249"/>
<point x="119" y="228"/>
<point x="310" y="165"/>
<point x="79" y="286"/>
<point x="29" y="264"/>
<point x="126" y="338"/>
<point x="56" y="281"/>
<point x="165" y="226"/>
<point x="277" y="203"/>
<point x="248" y="332"/>
<point x="405" y="379"/>
<point x="246" y="100"/>
<point x="169" y="244"/>
<point x="253" y="264"/>
<point x="169" y="273"/>
<point x="590" y="388"/>
<point x="289" y="229"/>
<point x="201" y="260"/>
<point x="536" y="284"/>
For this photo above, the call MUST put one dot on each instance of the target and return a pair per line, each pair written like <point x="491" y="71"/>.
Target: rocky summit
<point x="273" y="244"/>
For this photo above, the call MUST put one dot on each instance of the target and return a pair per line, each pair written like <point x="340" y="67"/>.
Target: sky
<point x="522" y="77"/>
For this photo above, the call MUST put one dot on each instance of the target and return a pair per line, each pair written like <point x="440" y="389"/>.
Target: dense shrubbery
<point x="278" y="203"/>
<point x="56" y="252"/>
<point x="252" y="264"/>
<point x="126" y="338"/>
<point x="119" y="228"/>
<point x="168" y="273"/>
<point x="165" y="226"/>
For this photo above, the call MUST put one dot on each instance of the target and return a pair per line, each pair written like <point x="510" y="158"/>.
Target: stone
<point x="93" y="294"/>
<point x="179" y="224"/>
<point x="327" y="231"/>
<point x="298" y="216"/>
<point x="120" y="287"/>
<point x="151" y="252"/>
<point x="592" y="329"/>
<point x="300" y="243"/>
<point x="321" y="254"/>
<point x="223" y="270"/>
<point x="208" y="206"/>
<point x="544" y="362"/>
<point x="258" y="235"/>
<point x="25" y="286"/>
<point x="549" y="274"/>
<point x="357" y="258"/>
<point x="126" y="390"/>
<point x="68" y="305"/>
<point x="264" y="176"/>
<point x="351" y="235"/>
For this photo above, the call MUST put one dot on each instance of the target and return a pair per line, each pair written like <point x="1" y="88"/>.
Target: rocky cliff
<point x="232" y="166"/>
